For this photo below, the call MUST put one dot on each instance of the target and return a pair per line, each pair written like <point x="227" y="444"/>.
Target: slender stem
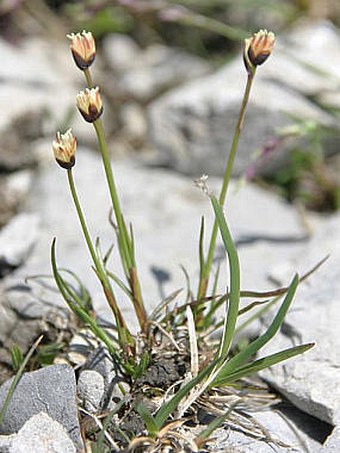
<point x="88" y="77"/>
<point x="114" y="196"/>
<point x="124" y="240"/>
<point x="123" y="332"/>
<point x="203" y="284"/>
<point x="82" y="219"/>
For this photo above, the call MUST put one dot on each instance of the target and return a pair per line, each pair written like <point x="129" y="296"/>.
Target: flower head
<point x="64" y="148"/>
<point x="90" y="104"/>
<point x="258" y="48"/>
<point x="83" y="48"/>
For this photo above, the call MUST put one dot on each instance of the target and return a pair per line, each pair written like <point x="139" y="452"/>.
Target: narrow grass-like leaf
<point x="141" y="367"/>
<point x="108" y="254"/>
<point x="234" y="268"/>
<point x="189" y="295"/>
<point x="207" y="321"/>
<point x="239" y="359"/>
<point x="73" y="302"/>
<point x="130" y="257"/>
<point x="204" y="435"/>
<point x="83" y="292"/>
<point x="217" y="275"/>
<point x="264" y="294"/>
<point x="120" y="283"/>
<point x="132" y="241"/>
<point x="99" y="444"/>
<point x="164" y="304"/>
<point x="17" y="378"/>
<point x="257" y="315"/>
<point x="201" y="248"/>
<point x="17" y="357"/>
<point x="149" y="420"/>
<point x="252" y="305"/>
<point x="192" y="342"/>
<point x="264" y="362"/>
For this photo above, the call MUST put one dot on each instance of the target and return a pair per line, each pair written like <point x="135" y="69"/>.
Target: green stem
<point x="203" y="284"/>
<point x="125" y="242"/>
<point x="82" y="219"/>
<point x="127" y="257"/>
<point x="123" y="332"/>
<point x="88" y="77"/>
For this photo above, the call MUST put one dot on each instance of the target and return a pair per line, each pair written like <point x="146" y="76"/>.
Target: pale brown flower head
<point x="83" y="48"/>
<point x="258" y="48"/>
<point x="89" y="103"/>
<point x="64" y="148"/>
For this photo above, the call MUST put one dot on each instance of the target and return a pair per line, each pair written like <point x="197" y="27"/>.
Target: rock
<point x="120" y="51"/>
<point x="286" y="430"/>
<point x="192" y="126"/>
<point x="18" y="185"/>
<point x="42" y="434"/>
<point x="37" y="85"/>
<point x="13" y="190"/>
<point x="90" y="389"/>
<point x="332" y="444"/>
<point x="100" y="361"/>
<point x="165" y="209"/>
<point x="157" y="69"/>
<point x="51" y="390"/>
<point x="133" y="122"/>
<point x="6" y="442"/>
<point x="17" y="240"/>
<point x="312" y="380"/>
<point x="81" y="345"/>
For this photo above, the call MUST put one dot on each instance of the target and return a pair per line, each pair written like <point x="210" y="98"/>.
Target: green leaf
<point x="233" y="364"/>
<point x="201" y="250"/>
<point x="141" y="367"/>
<point x="17" y="357"/>
<point x="75" y="305"/>
<point x="234" y="268"/>
<point x="264" y="362"/>
<point x="215" y="424"/>
<point x="149" y="420"/>
<point x="84" y="294"/>
<point x="189" y="295"/>
<point x="17" y="378"/>
<point x="121" y="284"/>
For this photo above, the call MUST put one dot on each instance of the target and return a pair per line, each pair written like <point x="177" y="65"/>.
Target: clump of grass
<point x="209" y="369"/>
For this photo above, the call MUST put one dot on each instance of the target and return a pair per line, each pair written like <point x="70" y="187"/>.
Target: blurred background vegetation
<point x="151" y="21"/>
<point x="211" y="29"/>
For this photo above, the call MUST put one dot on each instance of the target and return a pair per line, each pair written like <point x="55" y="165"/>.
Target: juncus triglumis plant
<point x="131" y="353"/>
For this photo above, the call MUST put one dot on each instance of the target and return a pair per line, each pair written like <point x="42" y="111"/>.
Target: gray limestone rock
<point x="90" y="389"/>
<point x="38" y="85"/>
<point x="100" y="361"/>
<point x="17" y="240"/>
<point x="332" y="444"/>
<point x="157" y="69"/>
<point x="51" y="390"/>
<point x="120" y="51"/>
<point x="13" y="191"/>
<point x="192" y="126"/>
<point x="42" y="434"/>
<point x="280" y="434"/>
<point x="312" y="380"/>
